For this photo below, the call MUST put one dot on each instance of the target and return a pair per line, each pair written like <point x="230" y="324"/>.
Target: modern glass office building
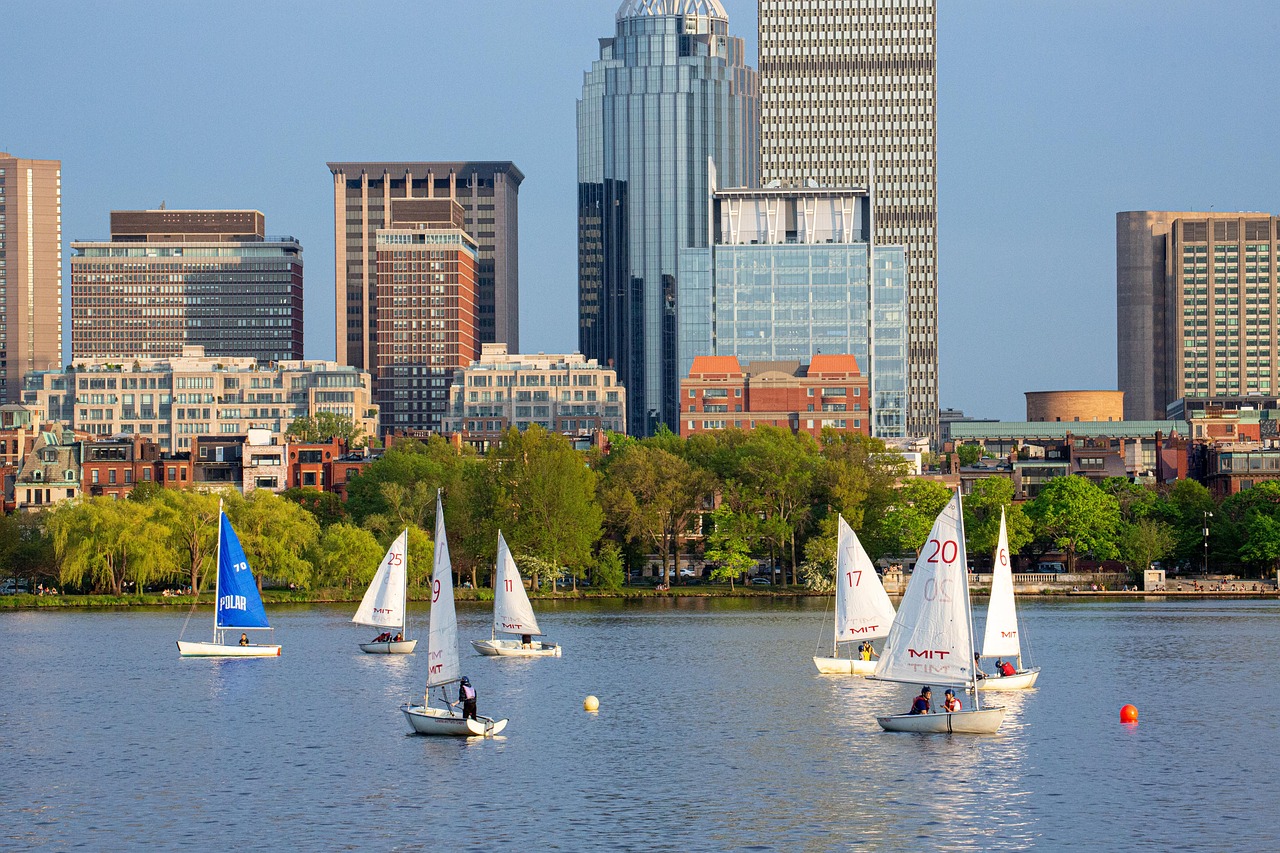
<point x="787" y="278"/>
<point x="669" y="95"/>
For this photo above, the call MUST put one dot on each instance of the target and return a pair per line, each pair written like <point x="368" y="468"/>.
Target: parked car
<point x="761" y="582"/>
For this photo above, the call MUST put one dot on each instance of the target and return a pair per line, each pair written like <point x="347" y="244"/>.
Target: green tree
<point x="969" y="454"/>
<point x="546" y="500"/>
<point x="774" y="472"/>
<point x="327" y="507"/>
<point x="275" y="534"/>
<point x="856" y="472"/>
<point x="1144" y="541"/>
<point x="904" y="524"/>
<point x="1246" y="527"/>
<point x="192" y="525"/>
<point x="652" y="498"/>
<point x="346" y="555"/>
<point x="108" y="543"/>
<point x="610" y="572"/>
<point x="982" y="518"/>
<point x="421" y="556"/>
<point x="729" y="545"/>
<point x="1184" y="510"/>
<point x="1075" y="515"/>
<point x="325" y="426"/>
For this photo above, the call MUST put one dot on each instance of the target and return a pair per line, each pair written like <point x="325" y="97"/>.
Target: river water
<point x="715" y="732"/>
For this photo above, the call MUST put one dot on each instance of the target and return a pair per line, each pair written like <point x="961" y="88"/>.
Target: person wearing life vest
<point x="951" y="704"/>
<point x="977" y="667"/>
<point x="866" y="651"/>
<point x="467" y="695"/>
<point x="922" y="703"/>
<point x="1006" y="668"/>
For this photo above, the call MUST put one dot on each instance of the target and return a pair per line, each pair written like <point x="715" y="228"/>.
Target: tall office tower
<point x="362" y="197"/>
<point x="173" y="278"/>
<point x="788" y="276"/>
<point x="425" y="309"/>
<point x="1197" y="310"/>
<point x="847" y="98"/>
<point x="669" y="94"/>
<point x="30" y="270"/>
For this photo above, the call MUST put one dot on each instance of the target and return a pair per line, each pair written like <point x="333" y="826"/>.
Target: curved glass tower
<point x="669" y="95"/>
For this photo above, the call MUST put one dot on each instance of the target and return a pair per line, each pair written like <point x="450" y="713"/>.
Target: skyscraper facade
<point x="30" y="270"/>
<point x="363" y="196"/>
<point x="173" y="278"/>
<point x="426" y="311"/>
<point x="1197" y="311"/>
<point x="848" y="98"/>
<point x="669" y="95"/>
<point x="788" y="276"/>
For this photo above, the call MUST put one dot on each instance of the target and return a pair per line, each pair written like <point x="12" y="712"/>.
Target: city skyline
<point x="1051" y="120"/>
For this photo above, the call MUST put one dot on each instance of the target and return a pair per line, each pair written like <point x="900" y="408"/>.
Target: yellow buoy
<point x="591" y="703"/>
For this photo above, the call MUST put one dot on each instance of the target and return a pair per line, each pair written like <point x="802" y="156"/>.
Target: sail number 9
<point x="435" y="591"/>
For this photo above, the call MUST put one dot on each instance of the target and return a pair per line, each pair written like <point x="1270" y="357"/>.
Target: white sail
<point x="512" y="613"/>
<point x="931" y="641"/>
<point x="863" y="609"/>
<point x="1000" y="638"/>
<point x="383" y="603"/>
<point x="442" y="641"/>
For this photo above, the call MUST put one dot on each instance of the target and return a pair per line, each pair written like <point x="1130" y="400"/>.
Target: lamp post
<point x="1208" y="515"/>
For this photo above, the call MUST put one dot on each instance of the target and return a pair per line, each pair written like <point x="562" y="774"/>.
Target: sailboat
<point x="931" y="641"/>
<point x="863" y="609"/>
<point x="1000" y="637"/>
<point x="238" y="607"/>
<point x="383" y="605"/>
<point x="442" y="655"/>
<point x="512" y="614"/>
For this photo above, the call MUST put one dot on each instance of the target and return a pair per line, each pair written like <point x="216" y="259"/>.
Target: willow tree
<point x="275" y="534"/>
<point x="346" y="555"/>
<point x="109" y="543"/>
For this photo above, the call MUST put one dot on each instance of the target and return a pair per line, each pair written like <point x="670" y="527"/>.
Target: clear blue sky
<point x="1052" y="117"/>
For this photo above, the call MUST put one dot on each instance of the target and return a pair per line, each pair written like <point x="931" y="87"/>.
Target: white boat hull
<point x="425" y="720"/>
<point x="844" y="666"/>
<point x="514" y="649"/>
<point x="985" y="721"/>
<point x="218" y="650"/>
<point x="1022" y="680"/>
<point x="404" y="647"/>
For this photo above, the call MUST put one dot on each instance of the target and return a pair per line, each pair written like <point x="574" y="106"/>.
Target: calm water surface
<point x="715" y="732"/>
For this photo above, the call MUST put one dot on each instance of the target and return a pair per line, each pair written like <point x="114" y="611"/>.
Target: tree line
<point x="733" y="499"/>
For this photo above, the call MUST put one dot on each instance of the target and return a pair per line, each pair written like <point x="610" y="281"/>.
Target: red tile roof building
<point x="830" y="391"/>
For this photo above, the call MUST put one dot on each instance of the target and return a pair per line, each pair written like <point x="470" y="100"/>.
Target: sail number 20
<point x="947" y="549"/>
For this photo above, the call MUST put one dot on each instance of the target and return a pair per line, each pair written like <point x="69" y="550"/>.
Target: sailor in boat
<point x="977" y="667"/>
<point x="467" y="696"/>
<point x="244" y="639"/>
<point x="865" y="651"/>
<point x="399" y="637"/>
<point x="951" y="704"/>
<point x="922" y="703"/>
<point x="526" y="641"/>
<point x="1006" y="668"/>
<point x="384" y="637"/>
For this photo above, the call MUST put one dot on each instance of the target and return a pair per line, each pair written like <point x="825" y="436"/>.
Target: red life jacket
<point x="1007" y="669"/>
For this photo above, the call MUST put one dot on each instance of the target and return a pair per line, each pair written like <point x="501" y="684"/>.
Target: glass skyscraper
<point x="787" y="277"/>
<point x="669" y="95"/>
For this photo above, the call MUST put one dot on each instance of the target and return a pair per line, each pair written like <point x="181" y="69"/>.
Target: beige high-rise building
<point x="363" y="197"/>
<point x="1196" y="307"/>
<point x="848" y="98"/>
<point x="30" y="270"/>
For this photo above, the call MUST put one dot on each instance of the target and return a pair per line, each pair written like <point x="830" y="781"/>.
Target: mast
<point x="404" y="598"/>
<point x="968" y="607"/>
<point x="217" y="571"/>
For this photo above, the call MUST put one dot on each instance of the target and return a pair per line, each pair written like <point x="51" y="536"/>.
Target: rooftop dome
<point x="643" y="8"/>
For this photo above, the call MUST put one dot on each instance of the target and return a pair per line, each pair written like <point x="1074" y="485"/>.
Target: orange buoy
<point x="1129" y="714"/>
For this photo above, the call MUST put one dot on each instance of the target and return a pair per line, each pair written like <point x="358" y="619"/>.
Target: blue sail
<point x="239" y="605"/>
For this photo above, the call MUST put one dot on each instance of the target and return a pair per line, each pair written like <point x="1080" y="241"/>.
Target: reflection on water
<point x="715" y="732"/>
